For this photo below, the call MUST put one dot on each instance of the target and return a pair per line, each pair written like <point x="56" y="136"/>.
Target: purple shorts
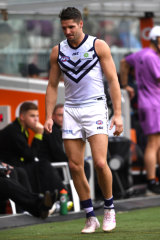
<point x="150" y="120"/>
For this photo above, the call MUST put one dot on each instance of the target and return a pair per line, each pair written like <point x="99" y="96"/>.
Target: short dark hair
<point x="26" y="106"/>
<point x="59" y="105"/>
<point x="70" y="13"/>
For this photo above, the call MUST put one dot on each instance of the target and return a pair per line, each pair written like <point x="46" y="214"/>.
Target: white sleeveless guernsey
<point x="83" y="78"/>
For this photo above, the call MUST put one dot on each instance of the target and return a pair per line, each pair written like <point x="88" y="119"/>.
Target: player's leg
<point x="75" y="152"/>
<point x="73" y="133"/>
<point x="99" y="144"/>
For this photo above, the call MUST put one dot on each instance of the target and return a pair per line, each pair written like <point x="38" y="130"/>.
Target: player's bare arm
<point x="110" y="73"/>
<point x="52" y="88"/>
<point x="124" y="72"/>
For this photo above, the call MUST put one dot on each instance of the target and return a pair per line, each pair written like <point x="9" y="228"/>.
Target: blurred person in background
<point x="31" y="70"/>
<point x="15" y="150"/>
<point x="146" y="63"/>
<point x="36" y="204"/>
<point x="34" y="71"/>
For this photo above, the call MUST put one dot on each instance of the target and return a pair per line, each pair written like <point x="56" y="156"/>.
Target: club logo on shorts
<point x="99" y="122"/>
<point x="65" y="58"/>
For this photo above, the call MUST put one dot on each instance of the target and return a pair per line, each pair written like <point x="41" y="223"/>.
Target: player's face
<point x="30" y="118"/>
<point x="71" y="29"/>
<point x="58" y="116"/>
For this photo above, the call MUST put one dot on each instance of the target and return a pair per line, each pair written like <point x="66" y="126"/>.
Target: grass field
<point x="141" y="224"/>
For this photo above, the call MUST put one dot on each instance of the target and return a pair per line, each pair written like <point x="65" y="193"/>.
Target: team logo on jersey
<point x="65" y="58"/>
<point x="99" y="122"/>
<point x="87" y="55"/>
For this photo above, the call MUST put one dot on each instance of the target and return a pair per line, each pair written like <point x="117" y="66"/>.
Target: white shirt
<point x="83" y="78"/>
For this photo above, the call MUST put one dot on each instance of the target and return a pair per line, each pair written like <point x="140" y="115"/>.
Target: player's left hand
<point x="117" y="122"/>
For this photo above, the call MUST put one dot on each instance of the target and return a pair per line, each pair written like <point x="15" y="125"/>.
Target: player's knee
<point x="73" y="166"/>
<point x="100" y="165"/>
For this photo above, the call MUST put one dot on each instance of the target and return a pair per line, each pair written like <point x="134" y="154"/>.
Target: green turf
<point x="141" y="224"/>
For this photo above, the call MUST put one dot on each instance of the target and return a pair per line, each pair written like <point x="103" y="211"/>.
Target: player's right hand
<point x="48" y="125"/>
